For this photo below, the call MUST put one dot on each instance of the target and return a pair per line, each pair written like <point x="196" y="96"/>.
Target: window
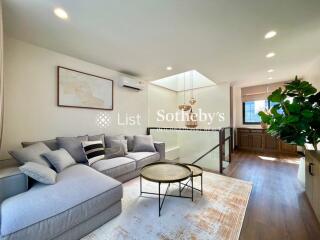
<point x="252" y="108"/>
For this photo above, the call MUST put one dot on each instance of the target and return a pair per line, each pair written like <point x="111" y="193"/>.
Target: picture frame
<point x="83" y="90"/>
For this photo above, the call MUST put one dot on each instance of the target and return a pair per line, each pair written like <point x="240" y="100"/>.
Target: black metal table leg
<point x="192" y="188"/>
<point x="140" y="186"/>
<point x="159" y="200"/>
<point x="201" y="185"/>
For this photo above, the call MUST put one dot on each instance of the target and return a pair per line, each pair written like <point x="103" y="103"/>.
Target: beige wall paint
<point x="31" y="111"/>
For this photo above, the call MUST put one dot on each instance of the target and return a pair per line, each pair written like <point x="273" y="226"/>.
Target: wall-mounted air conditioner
<point x="130" y="82"/>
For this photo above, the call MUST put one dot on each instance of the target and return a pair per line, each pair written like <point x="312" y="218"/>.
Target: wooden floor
<point x="278" y="207"/>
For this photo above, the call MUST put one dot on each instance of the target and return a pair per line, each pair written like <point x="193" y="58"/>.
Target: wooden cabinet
<point x="260" y="140"/>
<point x="312" y="184"/>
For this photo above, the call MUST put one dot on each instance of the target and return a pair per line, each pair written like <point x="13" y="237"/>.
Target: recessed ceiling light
<point x="270" y="70"/>
<point x="270" y="78"/>
<point x="270" y="55"/>
<point x="59" y="12"/>
<point x="169" y="68"/>
<point x="270" y="34"/>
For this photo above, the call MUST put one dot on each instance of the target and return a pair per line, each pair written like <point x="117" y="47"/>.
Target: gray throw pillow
<point x="99" y="137"/>
<point x="39" y="172"/>
<point x="74" y="147"/>
<point x="114" y="152"/>
<point x="120" y="143"/>
<point x="108" y="139"/>
<point x="31" y="153"/>
<point x="52" y="144"/>
<point x="143" y="143"/>
<point x="60" y="159"/>
<point x="130" y="143"/>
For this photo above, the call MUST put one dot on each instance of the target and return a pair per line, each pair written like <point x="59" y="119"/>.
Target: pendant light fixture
<point x="192" y="100"/>
<point x="184" y="106"/>
<point x="192" y="120"/>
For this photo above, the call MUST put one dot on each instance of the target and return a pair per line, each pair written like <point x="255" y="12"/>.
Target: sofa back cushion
<point x="31" y="153"/>
<point x="60" y="159"/>
<point x="108" y="139"/>
<point x="52" y="144"/>
<point x="120" y="143"/>
<point x="74" y="147"/>
<point x="143" y="143"/>
<point x="130" y="141"/>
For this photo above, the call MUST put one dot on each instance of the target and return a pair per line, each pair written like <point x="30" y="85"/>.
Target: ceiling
<point x="184" y="81"/>
<point x="222" y="39"/>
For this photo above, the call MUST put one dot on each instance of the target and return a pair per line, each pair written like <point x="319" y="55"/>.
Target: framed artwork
<point x="82" y="90"/>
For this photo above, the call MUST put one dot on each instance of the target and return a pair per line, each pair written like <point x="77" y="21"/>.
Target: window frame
<point x="243" y="114"/>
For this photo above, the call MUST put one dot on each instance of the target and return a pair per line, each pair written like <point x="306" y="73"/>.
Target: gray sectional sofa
<point x="82" y="199"/>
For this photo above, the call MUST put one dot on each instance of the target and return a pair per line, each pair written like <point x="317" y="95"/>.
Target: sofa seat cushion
<point x="144" y="158"/>
<point x="115" y="167"/>
<point x="79" y="194"/>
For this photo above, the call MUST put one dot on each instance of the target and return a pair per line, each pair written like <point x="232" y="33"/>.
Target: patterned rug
<point x="218" y="214"/>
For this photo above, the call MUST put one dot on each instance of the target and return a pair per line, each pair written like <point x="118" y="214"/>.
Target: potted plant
<point x="295" y="117"/>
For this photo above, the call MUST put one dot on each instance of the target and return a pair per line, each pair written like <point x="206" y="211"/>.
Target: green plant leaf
<point x="294" y="107"/>
<point x="265" y="118"/>
<point x="300" y="122"/>
<point x="292" y="119"/>
<point x="276" y="96"/>
<point x="307" y="113"/>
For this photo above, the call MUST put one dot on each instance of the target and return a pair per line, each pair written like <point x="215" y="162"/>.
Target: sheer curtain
<point x="1" y="74"/>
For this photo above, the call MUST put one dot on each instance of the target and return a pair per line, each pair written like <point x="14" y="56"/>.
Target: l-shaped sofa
<point x="82" y="199"/>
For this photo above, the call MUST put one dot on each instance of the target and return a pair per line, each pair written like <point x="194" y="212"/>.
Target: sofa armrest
<point x="161" y="149"/>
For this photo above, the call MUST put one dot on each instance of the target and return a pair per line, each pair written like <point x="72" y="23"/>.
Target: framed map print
<point x="83" y="90"/>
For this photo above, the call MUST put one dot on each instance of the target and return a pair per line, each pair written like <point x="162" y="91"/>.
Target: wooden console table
<point x="259" y="140"/>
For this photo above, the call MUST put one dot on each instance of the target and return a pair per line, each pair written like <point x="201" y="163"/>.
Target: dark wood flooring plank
<point x="278" y="207"/>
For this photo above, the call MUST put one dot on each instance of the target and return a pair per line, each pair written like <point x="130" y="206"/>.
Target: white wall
<point x="190" y="144"/>
<point x="312" y="75"/>
<point x="215" y="99"/>
<point x="162" y="99"/>
<point x="31" y="111"/>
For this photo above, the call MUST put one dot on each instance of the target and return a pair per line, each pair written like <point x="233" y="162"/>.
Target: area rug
<point x="218" y="214"/>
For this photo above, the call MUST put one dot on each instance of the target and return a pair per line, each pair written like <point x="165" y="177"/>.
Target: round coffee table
<point x="165" y="172"/>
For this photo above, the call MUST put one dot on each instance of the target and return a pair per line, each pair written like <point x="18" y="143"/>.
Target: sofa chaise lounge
<point x="82" y="199"/>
